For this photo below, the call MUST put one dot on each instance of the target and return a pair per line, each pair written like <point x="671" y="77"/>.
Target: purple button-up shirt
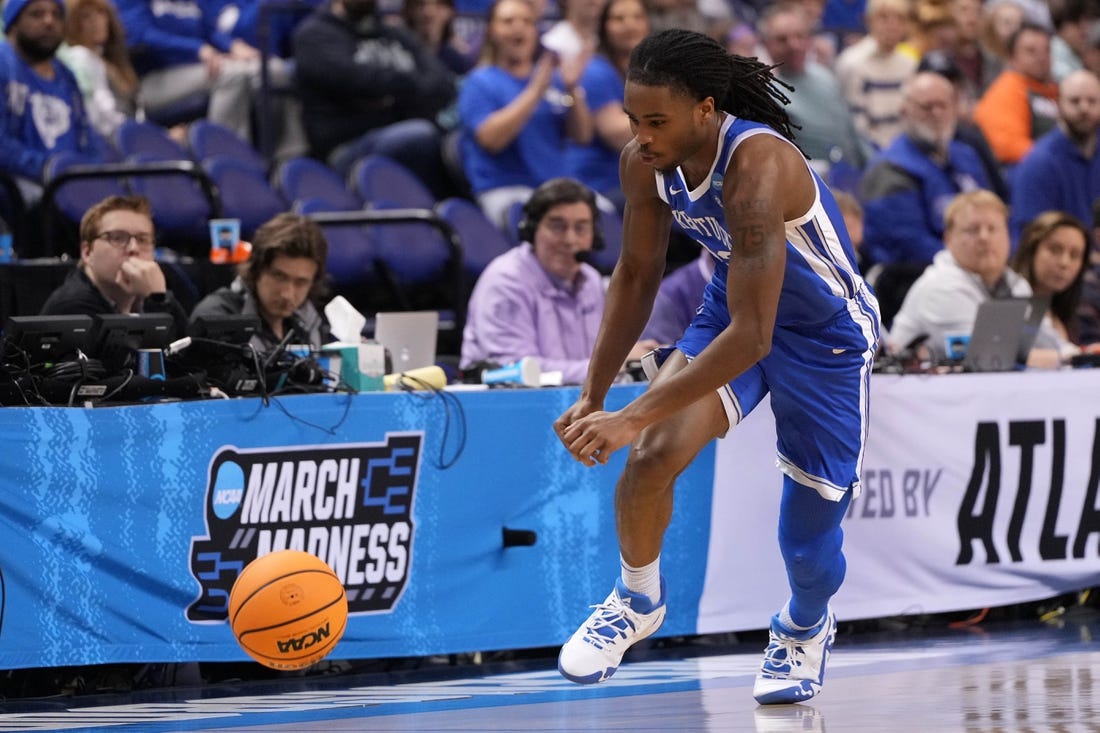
<point x="519" y="309"/>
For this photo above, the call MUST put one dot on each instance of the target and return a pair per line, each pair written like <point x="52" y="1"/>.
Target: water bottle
<point x="6" y="252"/>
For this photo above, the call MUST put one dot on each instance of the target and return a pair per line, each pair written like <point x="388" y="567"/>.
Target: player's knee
<point x="810" y="560"/>
<point x="655" y="460"/>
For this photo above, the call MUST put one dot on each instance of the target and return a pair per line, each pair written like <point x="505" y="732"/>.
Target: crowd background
<point x="903" y="104"/>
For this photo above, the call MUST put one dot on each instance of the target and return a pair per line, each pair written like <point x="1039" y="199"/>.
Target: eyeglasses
<point x="121" y="238"/>
<point x="560" y="227"/>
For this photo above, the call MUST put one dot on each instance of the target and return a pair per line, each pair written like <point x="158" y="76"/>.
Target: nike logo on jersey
<point x="675" y="191"/>
<point x="837" y="352"/>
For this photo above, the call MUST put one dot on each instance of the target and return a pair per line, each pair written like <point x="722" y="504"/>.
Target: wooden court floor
<point x="1024" y="677"/>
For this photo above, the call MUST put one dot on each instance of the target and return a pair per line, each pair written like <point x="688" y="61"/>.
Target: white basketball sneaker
<point x="594" y="651"/>
<point x="794" y="664"/>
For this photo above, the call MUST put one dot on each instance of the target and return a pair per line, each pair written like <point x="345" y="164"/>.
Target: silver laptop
<point x="410" y="337"/>
<point x="1004" y="332"/>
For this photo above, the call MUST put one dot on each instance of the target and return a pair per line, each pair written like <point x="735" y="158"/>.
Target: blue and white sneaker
<point x="594" y="651"/>
<point x="794" y="664"/>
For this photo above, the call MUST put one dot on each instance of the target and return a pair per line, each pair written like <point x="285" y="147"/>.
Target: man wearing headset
<point x="541" y="299"/>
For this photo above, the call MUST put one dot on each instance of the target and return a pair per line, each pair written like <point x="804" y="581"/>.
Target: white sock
<point x="645" y="580"/>
<point x="787" y="621"/>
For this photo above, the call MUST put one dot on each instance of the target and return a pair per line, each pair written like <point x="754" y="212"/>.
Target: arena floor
<point x="1030" y="677"/>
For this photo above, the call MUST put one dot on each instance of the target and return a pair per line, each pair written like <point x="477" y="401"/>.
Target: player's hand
<point x="140" y="278"/>
<point x="593" y="438"/>
<point x="576" y="411"/>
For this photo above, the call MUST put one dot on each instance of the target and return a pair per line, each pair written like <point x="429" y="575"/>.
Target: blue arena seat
<point x="180" y="206"/>
<point x="74" y="197"/>
<point x="134" y="137"/>
<point x="611" y="227"/>
<point x="208" y="139"/>
<point x="302" y="179"/>
<point x="351" y="255"/>
<point x="378" y="178"/>
<point x="481" y="239"/>
<point x="415" y="254"/>
<point x="245" y="192"/>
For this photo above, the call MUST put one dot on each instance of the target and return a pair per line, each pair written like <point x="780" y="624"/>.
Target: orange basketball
<point x="288" y="609"/>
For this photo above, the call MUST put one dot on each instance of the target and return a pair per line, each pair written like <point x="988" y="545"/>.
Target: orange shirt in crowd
<point x="1014" y="112"/>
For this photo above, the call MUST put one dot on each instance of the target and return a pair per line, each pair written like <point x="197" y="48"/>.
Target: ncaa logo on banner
<point x="350" y="505"/>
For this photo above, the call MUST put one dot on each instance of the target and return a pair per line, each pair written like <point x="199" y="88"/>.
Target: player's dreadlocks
<point x="698" y="66"/>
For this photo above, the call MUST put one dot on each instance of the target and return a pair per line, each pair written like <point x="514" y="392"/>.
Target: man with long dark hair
<point x="282" y="282"/>
<point x="785" y="313"/>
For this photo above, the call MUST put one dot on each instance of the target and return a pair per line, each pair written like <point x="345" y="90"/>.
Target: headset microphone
<point x="584" y="256"/>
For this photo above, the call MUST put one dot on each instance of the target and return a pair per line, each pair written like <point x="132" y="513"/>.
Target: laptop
<point x="1004" y="332"/>
<point x="409" y="336"/>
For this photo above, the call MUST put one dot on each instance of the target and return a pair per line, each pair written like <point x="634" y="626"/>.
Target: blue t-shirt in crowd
<point x="597" y="164"/>
<point x="41" y="117"/>
<point x="538" y="152"/>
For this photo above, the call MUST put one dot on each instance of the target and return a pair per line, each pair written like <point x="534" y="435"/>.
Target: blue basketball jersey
<point x="821" y="277"/>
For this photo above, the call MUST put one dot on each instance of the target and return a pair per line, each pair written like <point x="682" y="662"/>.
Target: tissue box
<point x="360" y="366"/>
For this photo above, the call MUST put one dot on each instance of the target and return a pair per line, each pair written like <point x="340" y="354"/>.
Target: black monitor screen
<point x="228" y="328"/>
<point x="117" y="336"/>
<point x="46" y="339"/>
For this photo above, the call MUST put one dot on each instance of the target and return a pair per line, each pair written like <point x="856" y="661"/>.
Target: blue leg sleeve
<point x="810" y="539"/>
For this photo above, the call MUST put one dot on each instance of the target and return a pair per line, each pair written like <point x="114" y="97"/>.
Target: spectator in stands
<point x="281" y="282"/>
<point x="1000" y="21"/>
<point x="540" y="299"/>
<point x="741" y="40"/>
<point x="369" y="87"/>
<point x="95" y="50"/>
<point x="180" y="53"/>
<point x="873" y="70"/>
<point x="977" y="64"/>
<point x="117" y="272"/>
<point x="1052" y="256"/>
<point x="824" y="44"/>
<point x="519" y="109"/>
<point x="678" y="299"/>
<point x="1022" y="103"/>
<point x="972" y="268"/>
<point x="623" y="24"/>
<point x="827" y="133"/>
<point x="1062" y="171"/>
<point x="908" y="186"/>
<point x="1071" y="19"/>
<point x="966" y="130"/>
<point x="432" y="21"/>
<point x="1091" y="57"/>
<point x="711" y="17"/>
<point x="932" y="28"/>
<point x="242" y="21"/>
<point x="43" y="111"/>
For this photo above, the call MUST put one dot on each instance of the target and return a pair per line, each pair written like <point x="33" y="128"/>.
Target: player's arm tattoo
<point x="751" y="221"/>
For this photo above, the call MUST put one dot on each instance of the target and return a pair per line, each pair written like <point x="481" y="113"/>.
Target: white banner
<point x="978" y="490"/>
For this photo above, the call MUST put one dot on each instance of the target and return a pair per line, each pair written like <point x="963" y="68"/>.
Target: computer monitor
<point x="116" y="337"/>
<point x="46" y="339"/>
<point x="226" y="328"/>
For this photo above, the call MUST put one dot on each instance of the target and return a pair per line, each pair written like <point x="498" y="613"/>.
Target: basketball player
<point x="786" y="312"/>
